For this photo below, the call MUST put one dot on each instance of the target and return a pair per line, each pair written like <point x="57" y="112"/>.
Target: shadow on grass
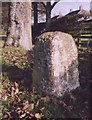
<point x="22" y="76"/>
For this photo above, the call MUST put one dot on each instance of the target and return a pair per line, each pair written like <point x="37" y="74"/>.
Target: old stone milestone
<point x="55" y="64"/>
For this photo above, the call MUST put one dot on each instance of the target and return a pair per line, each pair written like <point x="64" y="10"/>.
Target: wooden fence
<point x="82" y="32"/>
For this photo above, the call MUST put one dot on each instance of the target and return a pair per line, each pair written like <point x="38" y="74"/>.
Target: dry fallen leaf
<point x="23" y="115"/>
<point x="37" y="103"/>
<point x="12" y="91"/>
<point x="4" y="95"/>
<point x="31" y="107"/>
<point x="42" y="108"/>
<point x="31" y="115"/>
<point x="4" y="98"/>
<point x="37" y="115"/>
<point x="26" y="107"/>
<point x="16" y="91"/>
<point x="16" y="85"/>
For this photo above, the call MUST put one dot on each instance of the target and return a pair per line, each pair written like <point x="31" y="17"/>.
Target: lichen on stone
<point x="56" y="63"/>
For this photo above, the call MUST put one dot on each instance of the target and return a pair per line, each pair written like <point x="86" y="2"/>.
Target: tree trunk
<point x="48" y="6"/>
<point x="20" y="25"/>
<point x="35" y="17"/>
<point x="35" y="13"/>
<point x="48" y="15"/>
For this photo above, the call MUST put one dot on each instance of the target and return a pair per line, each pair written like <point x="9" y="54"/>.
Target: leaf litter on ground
<point x="21" y="101"/>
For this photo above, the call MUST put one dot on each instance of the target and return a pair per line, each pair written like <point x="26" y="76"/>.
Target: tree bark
<point x="35" y="4"/>
<point x="20" y="25"/>
<point x="48" y="15"/>
<point x="48" y="8"/>
<point x="35" y="13"/>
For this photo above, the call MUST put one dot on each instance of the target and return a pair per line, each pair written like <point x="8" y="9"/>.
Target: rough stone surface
<point x="56" y="64"/>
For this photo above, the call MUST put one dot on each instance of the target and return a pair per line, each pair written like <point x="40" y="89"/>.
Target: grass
<point x="21" y="100"/>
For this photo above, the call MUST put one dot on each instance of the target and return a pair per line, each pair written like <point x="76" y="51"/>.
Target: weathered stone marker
<point x="55" y="64"/>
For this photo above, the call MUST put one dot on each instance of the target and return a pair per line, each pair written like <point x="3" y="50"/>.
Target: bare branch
<point x="53" y="5"/>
